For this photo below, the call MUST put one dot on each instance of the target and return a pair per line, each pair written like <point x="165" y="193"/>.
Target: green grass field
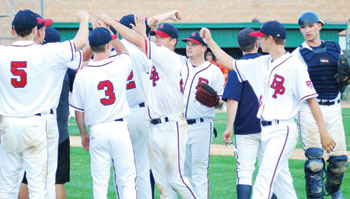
<point x="221" y="170"/>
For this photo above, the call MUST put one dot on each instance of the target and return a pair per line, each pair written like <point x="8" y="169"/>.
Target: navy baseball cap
<point x="51" y="35"/>
<point x="130" y="19"/>
<point x="100" y="36"/>
<point x="273" y="28"/>
<point x="194" y="37"/>
<point x="25" y="20"/>
<point x="244" y="38"/>
<point x="166" y="30"/>
<point x="46" y="22"/>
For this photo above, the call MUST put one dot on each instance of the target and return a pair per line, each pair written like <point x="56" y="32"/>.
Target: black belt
<point x="119" y="120"/>
<point x="39" y="114"/>
<point x="268" y="123"/>
<point x="141" y="105"/>
<point x="328" y="103"/>
<point x="193" y="121"/>
<point x="158" y="120"/>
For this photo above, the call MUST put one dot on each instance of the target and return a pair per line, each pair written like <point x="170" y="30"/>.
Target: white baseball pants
<point x="24" y="145"/>
<point x="167" y="145"/>
<point x="278" y="142"/>
<point x="139" y="129"/>
<point x="310" y="135"/>
<point x="110" y="145"/>
<point x="248" y="149"/>
<point x="197" y="157"/>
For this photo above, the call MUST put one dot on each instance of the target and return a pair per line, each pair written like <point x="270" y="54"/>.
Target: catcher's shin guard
<point x="314" y="167"/>
<point x="335" y="172"/>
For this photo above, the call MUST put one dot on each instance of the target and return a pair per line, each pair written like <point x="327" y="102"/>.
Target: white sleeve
<point x="76" y="98"/>
<point x="219" y="82"/>
<point x="161" y="56"/>
<point x="77" y="62"/>
<point x="59" y="53"/>
<point x="246" y="69"/>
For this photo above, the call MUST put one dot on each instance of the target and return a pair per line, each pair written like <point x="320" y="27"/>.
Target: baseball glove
<point x="206" y="95"/>
<point x="343" y="74"/>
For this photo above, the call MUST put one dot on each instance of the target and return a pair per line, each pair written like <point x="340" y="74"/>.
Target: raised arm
<point x="125" y="32"/>
<point x="328" y="143"/>
<point x="154" y="21"/>
<point x="225" y="59"/>
<point x="82" y="35"/>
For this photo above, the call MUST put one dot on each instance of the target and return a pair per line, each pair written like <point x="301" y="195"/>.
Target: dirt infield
<point x="215" y="149"/>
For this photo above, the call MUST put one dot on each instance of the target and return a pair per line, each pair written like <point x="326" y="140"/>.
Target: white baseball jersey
<point x="26" y="83"/>
<point x="164" y="91"/>
<point x="98" y="90"/>
<point x="270" y="81"/>
<point x="138" y="75"/>
<point x="192" y="77"/>
<point x="136" y="90"/>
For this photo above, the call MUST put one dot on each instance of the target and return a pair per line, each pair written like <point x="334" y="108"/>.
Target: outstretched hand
<point x="140" y="26"/>
<point x="205" y="35"/>
<point x="104" y="18"/>
<point x="175" y="15"/>
<point x="82" y="16"/>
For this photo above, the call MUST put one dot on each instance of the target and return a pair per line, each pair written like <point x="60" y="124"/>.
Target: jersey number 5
<point x="109" y="92"/>
<point x="17" y="71"/>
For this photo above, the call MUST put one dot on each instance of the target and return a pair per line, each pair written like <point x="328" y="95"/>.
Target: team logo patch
<point x="324" y="60"/>
<point x="277" y="84"/>
<point x="309" y="84"/>
<point x="200" y="80"/>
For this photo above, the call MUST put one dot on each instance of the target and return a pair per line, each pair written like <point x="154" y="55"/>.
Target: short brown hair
<point x="279" y="41"/>
<point x="98" y="49"/>
<point x="247" y="48"/>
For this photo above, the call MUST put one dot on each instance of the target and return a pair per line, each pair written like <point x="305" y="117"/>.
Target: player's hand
<point x="152" y="22"/>
<point x="175" y="15"/>
<point x="205" y="35"/>
<point x="83" y="16"/>
<point x="227" y="135"/>
<point x="85" y="141"/>
<point x="328" y="143"/>
<point x="104" y="18"/>
<point x="140" y="26"/>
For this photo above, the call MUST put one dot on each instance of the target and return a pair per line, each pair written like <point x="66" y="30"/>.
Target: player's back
<point x="99" y="90"/>
<point x="26" y="77"/>
<point x="136" y="88"/>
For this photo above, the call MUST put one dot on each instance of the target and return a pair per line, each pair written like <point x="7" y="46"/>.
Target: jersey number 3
<point x="16" y="70"/>
<point x="109" y="92"/>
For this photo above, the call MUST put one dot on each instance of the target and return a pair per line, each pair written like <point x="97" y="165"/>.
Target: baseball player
<point x="63" y="165"/>
<point x="199" y="116"/>
<point x="136" y="90"/>
<point x="168" y="130"/>
<point x="242" y="108"/>
<point x="280" y="86"/>
<point x="100" y="102"/>
<point x="320" y="58"/>
<point x="28" y="100"/>
<point x="53" y="138"/>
